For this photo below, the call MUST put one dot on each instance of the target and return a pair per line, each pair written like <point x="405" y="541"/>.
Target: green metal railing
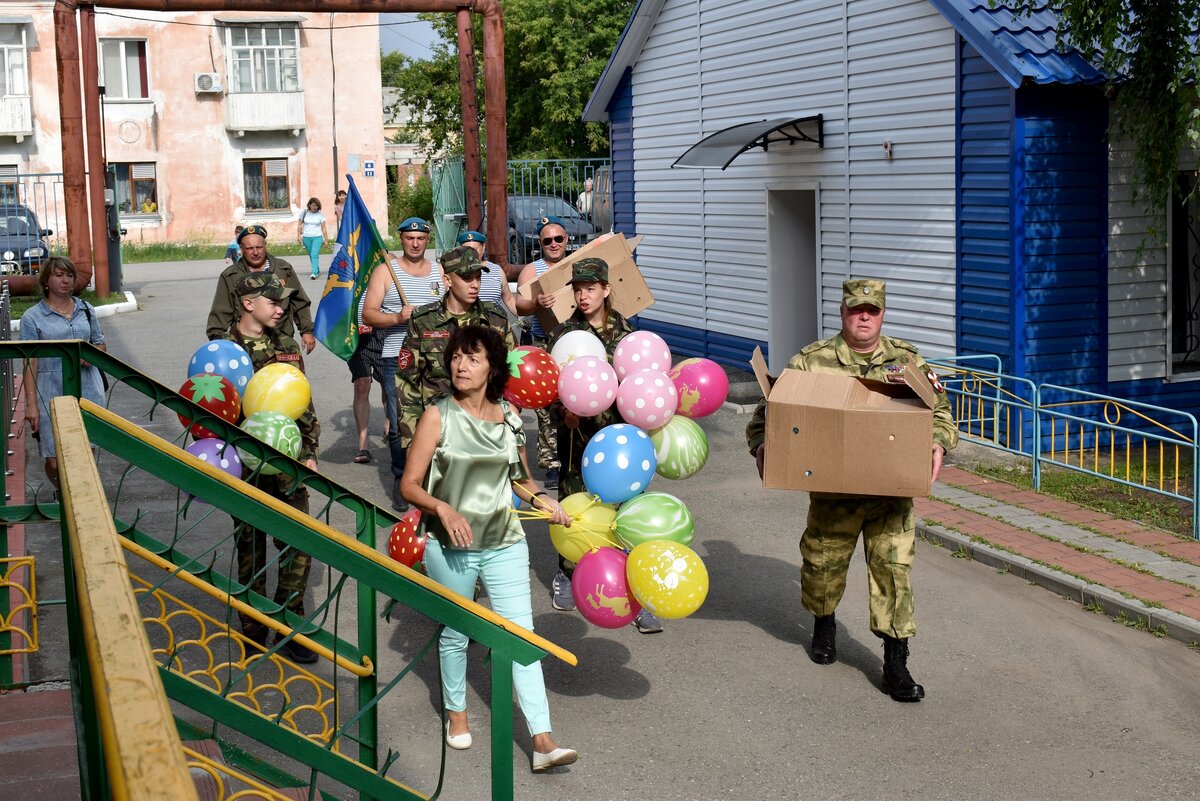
<point x="358" y="575"/>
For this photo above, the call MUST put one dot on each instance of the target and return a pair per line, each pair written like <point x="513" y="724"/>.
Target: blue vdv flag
<point x="361" y="247"/>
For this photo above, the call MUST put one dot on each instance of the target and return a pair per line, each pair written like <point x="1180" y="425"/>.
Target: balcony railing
<point x="16" y="116"/>
<point x="264" y="111"/>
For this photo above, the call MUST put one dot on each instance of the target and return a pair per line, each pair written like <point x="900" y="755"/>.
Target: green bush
<point x="410" y="201"/>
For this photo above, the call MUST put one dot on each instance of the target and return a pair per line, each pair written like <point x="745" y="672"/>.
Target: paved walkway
<point x="1150" y="576"/>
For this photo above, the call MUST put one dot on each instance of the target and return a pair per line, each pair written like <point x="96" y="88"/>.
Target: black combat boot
<point x="824" y="640"/>
<point x="897" y="681"/>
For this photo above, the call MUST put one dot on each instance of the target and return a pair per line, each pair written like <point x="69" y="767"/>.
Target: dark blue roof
<point x="1023" y="47"/>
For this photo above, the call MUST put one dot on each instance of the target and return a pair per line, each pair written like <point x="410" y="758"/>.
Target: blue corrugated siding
<point x="620" y="133"/>
<point x="984" y="218"/>
<point x="1062" y="164"/>
<point x="686" y="341"/>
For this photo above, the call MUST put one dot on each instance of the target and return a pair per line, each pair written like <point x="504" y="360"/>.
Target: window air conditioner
<point x="208" y="83"/>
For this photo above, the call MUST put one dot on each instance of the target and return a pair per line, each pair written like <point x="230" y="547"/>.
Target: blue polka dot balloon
<point x="618" y="463"/>
<point x="226" y="358"/>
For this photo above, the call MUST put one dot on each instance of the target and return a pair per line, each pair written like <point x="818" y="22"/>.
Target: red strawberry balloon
<point x="404" y="545"/>
<point x="532" y="378"/>
<point x="215" y="393"/>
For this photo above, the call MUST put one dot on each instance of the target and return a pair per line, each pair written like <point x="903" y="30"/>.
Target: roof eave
<point x="628" y="48"/>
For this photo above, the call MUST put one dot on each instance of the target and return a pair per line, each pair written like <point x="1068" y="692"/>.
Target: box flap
<point x="920" y="383"/>
<point x="760" y="371"/>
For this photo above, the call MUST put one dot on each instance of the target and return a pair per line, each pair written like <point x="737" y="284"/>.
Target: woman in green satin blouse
<point x="466" y="459"/>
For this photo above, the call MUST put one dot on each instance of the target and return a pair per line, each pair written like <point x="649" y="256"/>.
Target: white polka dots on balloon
<point x="647" y="398"/>
<point x="641" y="350"/>
<point x="589" y="387"/>
<point x="618" y="463"/>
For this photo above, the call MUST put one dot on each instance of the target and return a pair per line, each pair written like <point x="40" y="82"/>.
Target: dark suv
<point x="23" y="245"/>
<point x="524" y="217"/>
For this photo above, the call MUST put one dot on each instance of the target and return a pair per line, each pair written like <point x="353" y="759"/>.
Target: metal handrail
<point x="140" y="755"/>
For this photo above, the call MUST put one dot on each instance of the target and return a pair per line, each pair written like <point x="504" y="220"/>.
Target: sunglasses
<point x="557" y="240"/>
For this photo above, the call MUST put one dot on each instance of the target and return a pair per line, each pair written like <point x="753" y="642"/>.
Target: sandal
<point x="362" y="457"/>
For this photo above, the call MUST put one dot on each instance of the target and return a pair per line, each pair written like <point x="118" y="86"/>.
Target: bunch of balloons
<point x="223" y="381"/>
<point x="631" y="546"/>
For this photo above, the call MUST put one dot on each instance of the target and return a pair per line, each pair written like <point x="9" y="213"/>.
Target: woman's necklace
<point x="480" y="412"/>
<point x="64" y="307"/>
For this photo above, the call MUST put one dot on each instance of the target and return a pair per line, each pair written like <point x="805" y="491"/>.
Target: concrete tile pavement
<point x="1152" y="577"/>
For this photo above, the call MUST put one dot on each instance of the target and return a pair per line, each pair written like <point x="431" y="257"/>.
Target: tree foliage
<point x="554" y="52"/>
<point x="1149" y="50"/>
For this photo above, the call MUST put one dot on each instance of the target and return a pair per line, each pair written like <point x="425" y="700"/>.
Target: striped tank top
<point x="540" y="266"/>
<point x="419" y="290"/>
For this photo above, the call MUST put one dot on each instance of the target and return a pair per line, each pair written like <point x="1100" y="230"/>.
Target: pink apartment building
<point x="210" y="119"/>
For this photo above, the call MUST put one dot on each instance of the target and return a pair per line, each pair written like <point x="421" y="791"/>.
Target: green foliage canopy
<point x="554" y="52"/>
<point x="1148" y="47"/>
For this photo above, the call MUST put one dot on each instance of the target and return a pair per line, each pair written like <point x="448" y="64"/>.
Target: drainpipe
<point x="95" y="153"/>
<point x="470" y="117"/>
<point x="497" y="138"/>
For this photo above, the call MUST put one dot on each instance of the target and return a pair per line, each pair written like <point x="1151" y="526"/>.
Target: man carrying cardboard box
<point x="886" y="523"/>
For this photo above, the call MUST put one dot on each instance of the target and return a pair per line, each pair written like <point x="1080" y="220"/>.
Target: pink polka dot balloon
<point x="641" y="350"/>
<point x="587" y="386"/>
<point x="647" y="399"/>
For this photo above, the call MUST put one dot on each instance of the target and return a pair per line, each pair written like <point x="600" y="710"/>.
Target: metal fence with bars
<point x="1131" y="444"/>
<point x="32" y="220"/>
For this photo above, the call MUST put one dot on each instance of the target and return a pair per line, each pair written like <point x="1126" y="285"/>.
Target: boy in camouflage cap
<point x="259" y="310"/>
<point x="886" y="524"/>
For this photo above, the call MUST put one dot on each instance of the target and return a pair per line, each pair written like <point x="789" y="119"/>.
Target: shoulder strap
<point x="396" y="281"/>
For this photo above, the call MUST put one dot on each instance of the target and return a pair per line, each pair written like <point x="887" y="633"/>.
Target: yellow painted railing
<point x="142" y="754"/>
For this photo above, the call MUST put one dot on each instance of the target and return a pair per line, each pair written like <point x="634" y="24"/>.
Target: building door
<point x="792" y="273"/>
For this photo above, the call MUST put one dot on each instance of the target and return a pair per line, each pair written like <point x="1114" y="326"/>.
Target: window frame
<point x="143" y="62"/>
<point x="267" y="62"/>
<point x="132" y="182"/>
<point x="5" y="64"/>
<point x="265" y="179"/>
<point x="1183" y="249"/>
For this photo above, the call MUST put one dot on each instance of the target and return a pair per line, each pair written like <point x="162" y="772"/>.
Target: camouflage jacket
<point x="833" y="355"/>
<point x="421" y="376"/>
<point x="617" y="329"/>
<point x="274" y="347"/>
<point x="297" y="314"/>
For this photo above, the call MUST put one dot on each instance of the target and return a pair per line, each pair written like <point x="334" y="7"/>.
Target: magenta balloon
<point x="702" y="386"/>
<point x="601" y="590"/>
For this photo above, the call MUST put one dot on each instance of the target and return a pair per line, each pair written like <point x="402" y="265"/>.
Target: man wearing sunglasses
<point x="553" y="236"/>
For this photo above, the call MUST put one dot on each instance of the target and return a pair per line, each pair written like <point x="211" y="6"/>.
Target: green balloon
<point x="654" y="516"/>
<point x="681" y="447"/>
<point x="277" y="430"/>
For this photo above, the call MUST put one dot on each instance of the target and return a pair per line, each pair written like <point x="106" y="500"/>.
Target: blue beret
<point x="550" y="219"/>
<point x="413" y="224"/>
<point x="471" y="236"/>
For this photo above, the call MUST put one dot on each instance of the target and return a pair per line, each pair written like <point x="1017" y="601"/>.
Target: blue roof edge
<point x="983" y="43"/>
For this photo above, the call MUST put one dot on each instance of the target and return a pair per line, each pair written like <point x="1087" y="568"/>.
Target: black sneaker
<point x="551" y="481"/>
<point x="297" y="653"/>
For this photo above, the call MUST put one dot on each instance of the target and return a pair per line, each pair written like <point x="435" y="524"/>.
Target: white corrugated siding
<point x="710" y="64"/>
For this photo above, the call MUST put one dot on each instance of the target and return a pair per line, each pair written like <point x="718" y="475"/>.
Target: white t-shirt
<point x="312" y="220"/>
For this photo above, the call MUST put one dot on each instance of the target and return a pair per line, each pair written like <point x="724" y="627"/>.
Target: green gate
<point x="449" y="200"/>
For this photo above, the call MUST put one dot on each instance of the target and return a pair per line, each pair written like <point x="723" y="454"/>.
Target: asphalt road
<point x="1028" y="696"/>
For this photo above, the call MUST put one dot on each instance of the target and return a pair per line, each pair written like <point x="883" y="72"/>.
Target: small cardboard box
<point x="836" y="433"/>
<point x="630" y="293"/>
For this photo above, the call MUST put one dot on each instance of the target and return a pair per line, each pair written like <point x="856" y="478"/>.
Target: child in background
<point x="233" y="251"/>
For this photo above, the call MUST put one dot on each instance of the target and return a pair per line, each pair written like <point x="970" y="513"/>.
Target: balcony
<point x="264" y="111"/>
<point x="16" y="117"/>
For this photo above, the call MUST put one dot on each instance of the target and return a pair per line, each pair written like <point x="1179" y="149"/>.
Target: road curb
<point x="107" y="310"/>
<point x="1177" y="626"/>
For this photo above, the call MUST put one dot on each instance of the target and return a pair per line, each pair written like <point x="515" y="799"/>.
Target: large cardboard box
<point x="835" y="433"/>
<point x="630" y="293"/>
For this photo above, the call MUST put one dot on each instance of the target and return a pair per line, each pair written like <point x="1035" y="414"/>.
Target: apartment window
<point x="137" y="188"/>
<point x="13" y="75"/>
<point x="263" y="58"/>
<point x="123" y="62"/>
<point x="1183" y="233"/>
<point x="10" y="187"/>
<point x="266" y="184"/>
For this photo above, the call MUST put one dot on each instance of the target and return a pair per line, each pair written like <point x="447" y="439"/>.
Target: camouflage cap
<point x="589" y="270"/>
<point x="860" y="291"/>
<point x="262" y="283"/>
<point x="462" y="261"/>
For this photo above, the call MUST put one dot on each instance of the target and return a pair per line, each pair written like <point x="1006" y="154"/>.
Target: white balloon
<point x="574" y="344"/>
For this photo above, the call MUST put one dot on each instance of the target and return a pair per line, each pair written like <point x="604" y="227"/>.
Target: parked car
<point x="524" y="217"/>
<point x="23" y="245"/>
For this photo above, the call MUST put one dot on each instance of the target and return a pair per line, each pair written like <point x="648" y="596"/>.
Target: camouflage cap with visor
<point x="263" y="283"/>
<point x="864" y="291"/>
<point x="589" y="270"/>
<point x="462" y="261"/>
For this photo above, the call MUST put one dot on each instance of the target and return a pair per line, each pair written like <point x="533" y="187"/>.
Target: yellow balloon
<point x="277" y="388"/>
<point x="591" y="527"/>
<point x="667" y="578"/>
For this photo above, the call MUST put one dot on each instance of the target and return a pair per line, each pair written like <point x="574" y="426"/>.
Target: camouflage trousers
<point x="547" y="442"/>
<point x="293" y="566"/>
<point x="889" y="542"/>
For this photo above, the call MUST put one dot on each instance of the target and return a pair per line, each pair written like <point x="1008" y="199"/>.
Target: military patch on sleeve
<point x="287" y="357"/>
<point x="435" y="334"/>
<point x="892" y="378"/>
<point x="404" y="359"/>
<point x="934" y="382"/>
